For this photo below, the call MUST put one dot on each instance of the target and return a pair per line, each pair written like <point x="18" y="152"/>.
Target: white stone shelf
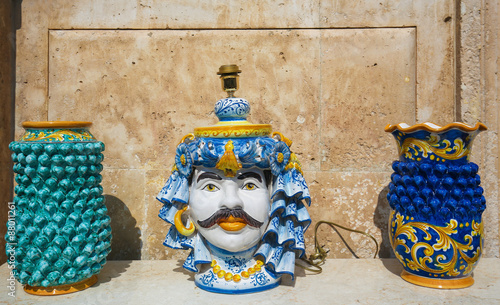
<point x="343" y="281"/>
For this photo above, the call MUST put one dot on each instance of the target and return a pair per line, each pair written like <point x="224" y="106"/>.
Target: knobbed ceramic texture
<point x="435" y="227"/>
<point x="62" y="229"/>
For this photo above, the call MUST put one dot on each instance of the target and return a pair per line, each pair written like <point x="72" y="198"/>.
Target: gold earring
<point x="180" y="226"/>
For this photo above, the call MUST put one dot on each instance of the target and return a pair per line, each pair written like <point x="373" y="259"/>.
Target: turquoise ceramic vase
<point x="435" y="227"/>
<point x="62" y="232"/>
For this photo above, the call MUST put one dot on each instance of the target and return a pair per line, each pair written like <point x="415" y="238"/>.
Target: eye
<point x="249" y="186"/>
<point x="210" y="188"/>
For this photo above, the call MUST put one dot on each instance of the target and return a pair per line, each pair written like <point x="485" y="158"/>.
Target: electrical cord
<point x="318" y="258"/>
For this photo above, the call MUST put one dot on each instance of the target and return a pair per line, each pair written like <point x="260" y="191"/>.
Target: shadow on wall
<point x="126" y="243"/>
<point x="10" y="21"/>
<point x="381" y="218"/>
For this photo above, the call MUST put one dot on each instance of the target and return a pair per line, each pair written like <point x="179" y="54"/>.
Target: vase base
<point x="61" y="289"/>
<point x="437" y="283"/>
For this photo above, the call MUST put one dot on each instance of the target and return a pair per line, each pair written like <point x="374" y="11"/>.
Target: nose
<point x="231" y="198"/>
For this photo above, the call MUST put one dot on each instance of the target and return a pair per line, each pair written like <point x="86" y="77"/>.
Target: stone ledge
<point x="343" y="281"/>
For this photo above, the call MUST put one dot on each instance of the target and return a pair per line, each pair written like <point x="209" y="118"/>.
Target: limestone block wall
<point x="328" y="74"/>
<point x="478" y="92"/>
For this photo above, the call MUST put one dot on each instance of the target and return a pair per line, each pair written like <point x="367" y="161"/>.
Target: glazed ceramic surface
<point x="435" y="226"/>
<point x="237" y="200"/>
<point x="62" y="232"/>
<point x="213" y="199"/>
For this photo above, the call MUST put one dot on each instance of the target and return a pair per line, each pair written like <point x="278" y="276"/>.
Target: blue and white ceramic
<point x="243" y="171"/>
<point x="435" y="227"/>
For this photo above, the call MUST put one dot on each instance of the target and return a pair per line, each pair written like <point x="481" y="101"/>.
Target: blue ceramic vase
<point x="435" y="227"/>
<point x="60" y="236"/>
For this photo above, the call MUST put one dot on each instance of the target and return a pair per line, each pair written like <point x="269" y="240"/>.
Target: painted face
<point x="232" y="213"/>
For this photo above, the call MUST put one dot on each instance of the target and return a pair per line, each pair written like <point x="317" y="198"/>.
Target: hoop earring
<point x="180" y="226"/>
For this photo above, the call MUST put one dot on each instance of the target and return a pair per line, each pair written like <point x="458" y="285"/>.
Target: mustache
<point x="225" y="213"/>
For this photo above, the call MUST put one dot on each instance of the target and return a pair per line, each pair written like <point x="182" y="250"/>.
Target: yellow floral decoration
<point x="228" y="163"/>
<point x="412" y="147"/>
<point x="443" y="242"/>
<point x="57" y="135"/>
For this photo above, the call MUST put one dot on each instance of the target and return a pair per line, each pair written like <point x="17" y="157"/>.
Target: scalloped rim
<point x="431" y="127"/>
<point x="56" y="124"/>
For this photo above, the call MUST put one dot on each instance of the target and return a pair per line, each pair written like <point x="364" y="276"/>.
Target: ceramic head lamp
<point x="236" y="198"/>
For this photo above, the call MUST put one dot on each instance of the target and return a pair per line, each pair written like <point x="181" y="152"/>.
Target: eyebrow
<point x="208" y="175"/>
<point x="250" y="175"/>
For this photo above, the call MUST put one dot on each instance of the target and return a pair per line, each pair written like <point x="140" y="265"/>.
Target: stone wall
<point x="329" y="75"/>
<point x="478" y="92"/>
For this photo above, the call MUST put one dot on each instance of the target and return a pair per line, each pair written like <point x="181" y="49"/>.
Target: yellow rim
<point x="62" y="289"/>
<point x="56" y="124"/>
<point x="437" y="283"/>
<point x="234" y="131"/>
<point x="424" y="126"/>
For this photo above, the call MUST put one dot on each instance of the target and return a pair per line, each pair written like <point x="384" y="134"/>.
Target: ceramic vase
<point x="61" y="234"/>
<point x="435" y="226"/>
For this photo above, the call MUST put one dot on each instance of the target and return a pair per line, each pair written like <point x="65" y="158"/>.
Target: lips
<point x="232" y="224"/>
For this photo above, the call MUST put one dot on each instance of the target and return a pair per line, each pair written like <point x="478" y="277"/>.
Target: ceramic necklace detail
<point x="228" y="276"/>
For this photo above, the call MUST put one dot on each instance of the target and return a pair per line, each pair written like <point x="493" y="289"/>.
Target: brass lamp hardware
<point x="229" y="78"/>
